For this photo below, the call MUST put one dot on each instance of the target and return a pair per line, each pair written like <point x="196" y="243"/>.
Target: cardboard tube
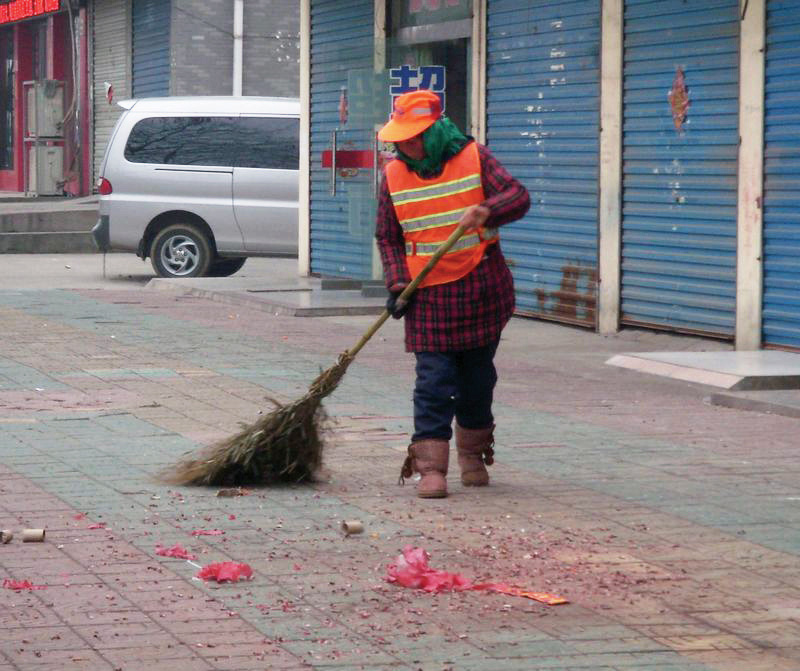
<point x="351" y="527"/>
<point x="5" y="536"/>
<point x="33" y="535"/>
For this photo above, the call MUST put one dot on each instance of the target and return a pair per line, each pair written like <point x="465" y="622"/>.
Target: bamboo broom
<point x="284" y="446"/>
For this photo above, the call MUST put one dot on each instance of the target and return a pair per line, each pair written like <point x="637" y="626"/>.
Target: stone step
<point x="74" y="219"/>
<point x="41" y="227"/>
<point x="47" y="242"/>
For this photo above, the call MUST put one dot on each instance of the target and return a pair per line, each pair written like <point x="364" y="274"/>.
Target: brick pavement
<point x="670" y="524"/>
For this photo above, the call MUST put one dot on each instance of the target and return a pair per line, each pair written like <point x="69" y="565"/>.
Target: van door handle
<point x="333" y="163"/>
<point x="228" y="171"/>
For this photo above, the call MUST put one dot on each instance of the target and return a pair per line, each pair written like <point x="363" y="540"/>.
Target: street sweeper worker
<point x="440" y="179"/>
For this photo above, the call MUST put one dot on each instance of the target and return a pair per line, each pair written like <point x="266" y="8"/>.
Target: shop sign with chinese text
<point x="19" y="10"/>
<point x="409" y="78"/>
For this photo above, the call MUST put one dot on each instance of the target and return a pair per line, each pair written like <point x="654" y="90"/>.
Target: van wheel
<point x="226" y="267"/>
<point x="181" y="250"/>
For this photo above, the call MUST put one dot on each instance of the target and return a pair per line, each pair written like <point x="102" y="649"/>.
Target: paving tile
<point x="342" y="652"/>
<point x="170" y="664"/>
<point x="32" y="657"/>
<point x="47" y="638"/>
<point x="274" y="659"/>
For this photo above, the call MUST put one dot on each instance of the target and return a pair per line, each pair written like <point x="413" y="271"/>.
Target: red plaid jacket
<point x="472" y="311"/>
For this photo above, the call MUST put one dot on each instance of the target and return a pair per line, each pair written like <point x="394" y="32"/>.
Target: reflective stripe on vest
<point x="429" y="210"/>
<point x="421" y="223"/>
<point x="426" y="192"/>
<point x="464" y="242"/>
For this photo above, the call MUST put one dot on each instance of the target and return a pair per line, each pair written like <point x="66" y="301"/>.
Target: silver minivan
<point x="198" y="184"/>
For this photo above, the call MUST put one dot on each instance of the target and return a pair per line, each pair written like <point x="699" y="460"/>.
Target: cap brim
<point x="397" y="132"/>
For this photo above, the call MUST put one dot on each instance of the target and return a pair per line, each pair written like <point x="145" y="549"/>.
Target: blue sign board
<point x="409" y="78"/>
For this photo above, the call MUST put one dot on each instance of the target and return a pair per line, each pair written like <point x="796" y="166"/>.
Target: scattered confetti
<point x="207" y="532"/>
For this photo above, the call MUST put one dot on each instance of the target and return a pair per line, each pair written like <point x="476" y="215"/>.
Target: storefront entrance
<point x="679" y="181"/>
<point x="43" y="100"/>
<point x="781" y="248"/>
<point x="7" y="100"/>
<point x="356" y="73"/>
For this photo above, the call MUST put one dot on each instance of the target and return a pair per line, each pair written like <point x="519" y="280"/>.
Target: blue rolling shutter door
<point x="679" y="187"/>
<point x="543" y="110"/>
<point x="341" y="41"/>
<point x="151" y="29"/>
<point x="781" y="306"/>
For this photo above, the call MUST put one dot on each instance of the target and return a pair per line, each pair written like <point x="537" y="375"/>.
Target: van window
<point x="269" y="143"/>
<point x="182" y="141"/>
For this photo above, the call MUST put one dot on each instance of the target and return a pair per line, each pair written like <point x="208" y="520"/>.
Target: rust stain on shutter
<point x="575" y="300"/>
<point x="679" y="99"/>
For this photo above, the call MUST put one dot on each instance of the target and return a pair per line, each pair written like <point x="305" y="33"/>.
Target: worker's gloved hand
<point x="395" y="307"/>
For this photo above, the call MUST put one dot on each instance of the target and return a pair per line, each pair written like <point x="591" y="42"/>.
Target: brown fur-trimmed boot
<point x="429" y="458"/>
<point x="474" y="454"/>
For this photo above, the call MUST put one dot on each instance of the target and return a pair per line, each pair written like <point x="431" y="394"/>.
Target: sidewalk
<point x="762" y="381"/>
<point x="670" y="524"/>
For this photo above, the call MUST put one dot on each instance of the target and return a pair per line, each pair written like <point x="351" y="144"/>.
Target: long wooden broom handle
<point x="410" y="289"/>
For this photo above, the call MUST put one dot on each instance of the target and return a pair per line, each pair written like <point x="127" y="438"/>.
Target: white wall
<point x="749" y="269"/>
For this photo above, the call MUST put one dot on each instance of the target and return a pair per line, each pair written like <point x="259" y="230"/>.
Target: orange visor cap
<point x="413" y="113"/>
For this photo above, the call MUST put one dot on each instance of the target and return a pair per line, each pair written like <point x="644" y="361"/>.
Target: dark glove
<point x="395" y="308"/>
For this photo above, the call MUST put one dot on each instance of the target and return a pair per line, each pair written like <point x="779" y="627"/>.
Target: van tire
<point x="181" y="250"/>
<point x="226" y="267"/>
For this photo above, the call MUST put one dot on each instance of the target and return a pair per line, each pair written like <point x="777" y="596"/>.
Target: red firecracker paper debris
<point x="21" y="584"/>
<point x="97" y="525"/>
<point x="502" y="588"/>
<point x="207" y="532"/>
<point x="227" y="571"/>
<point x="411" y="569"/>
<point x="176" y="551"/>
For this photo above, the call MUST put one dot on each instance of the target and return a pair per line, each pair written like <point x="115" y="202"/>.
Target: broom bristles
<point x="284" y="446"/>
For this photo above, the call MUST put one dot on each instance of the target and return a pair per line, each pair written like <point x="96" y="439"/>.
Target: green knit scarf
<point x="442" y="141"/>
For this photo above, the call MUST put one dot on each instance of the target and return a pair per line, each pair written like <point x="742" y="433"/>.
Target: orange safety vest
<point x="429" y="209"/>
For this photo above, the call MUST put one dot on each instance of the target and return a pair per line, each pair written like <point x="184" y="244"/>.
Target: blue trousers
<point x="453" y="384"/>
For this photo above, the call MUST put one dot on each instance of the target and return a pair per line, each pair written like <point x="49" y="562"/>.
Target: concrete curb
<point x="786" y="404"/>
<point x="299" y="301"/>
